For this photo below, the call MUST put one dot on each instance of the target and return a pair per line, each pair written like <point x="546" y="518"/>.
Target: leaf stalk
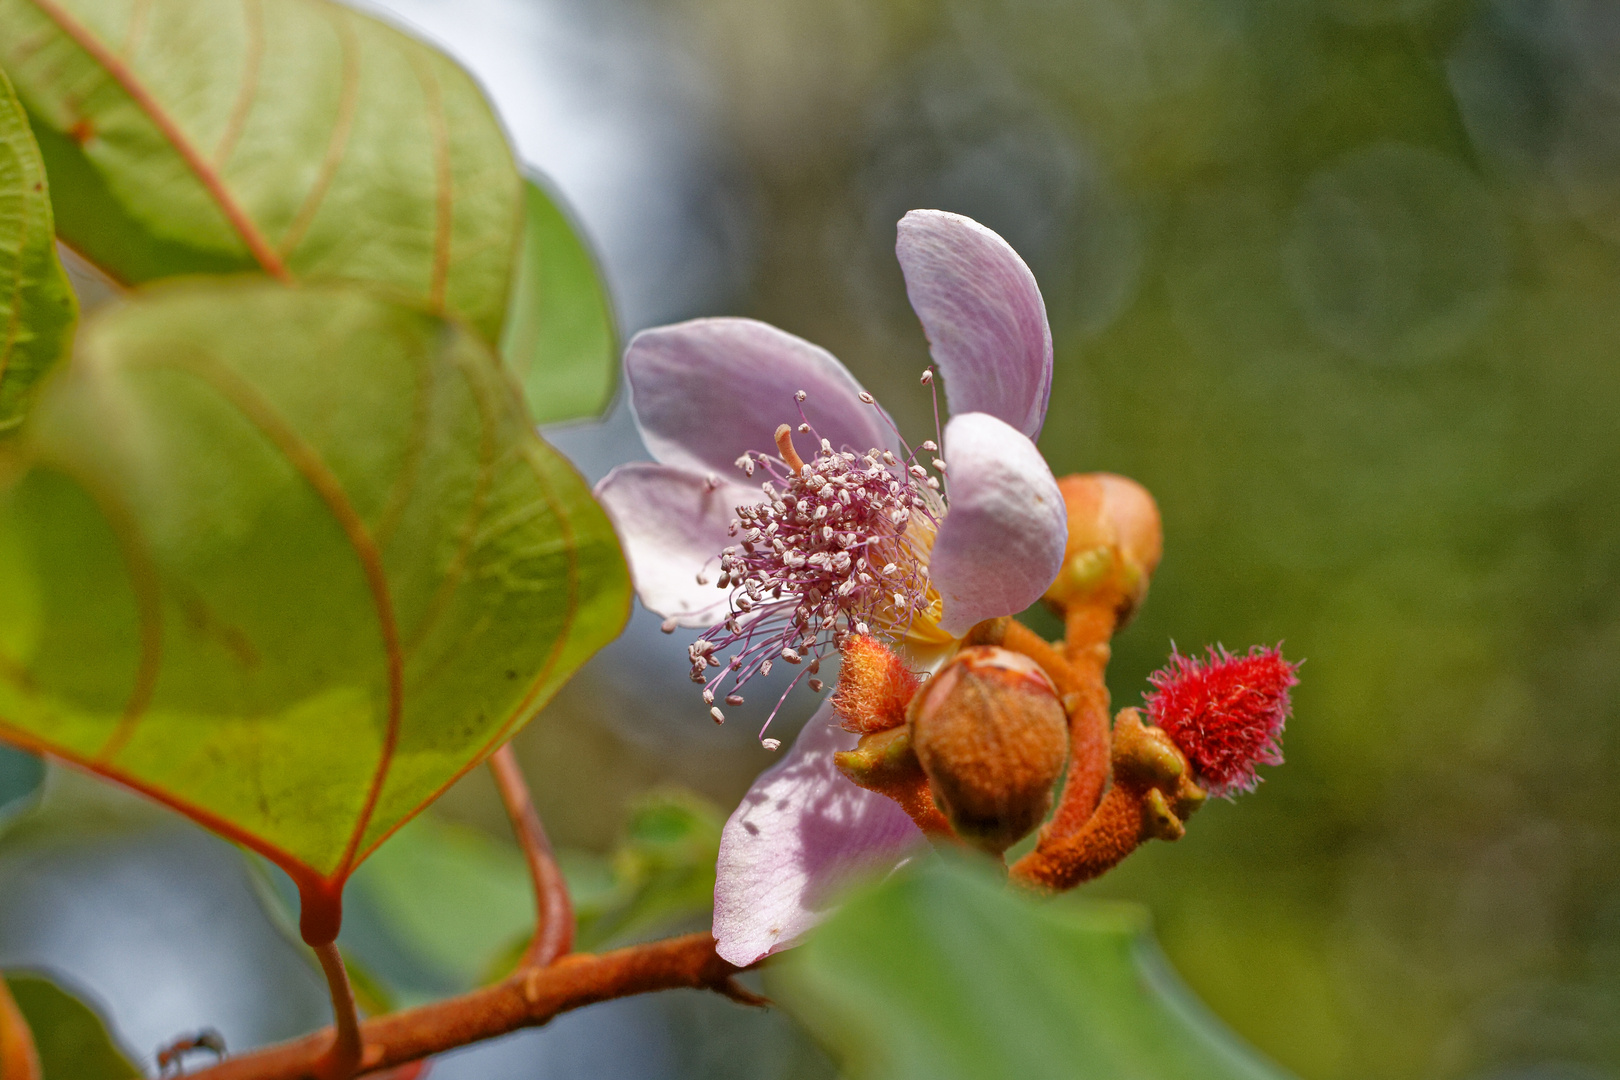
<point x="554" y="910"/>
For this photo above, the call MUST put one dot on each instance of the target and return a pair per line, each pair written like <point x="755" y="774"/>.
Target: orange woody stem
<point x="527" y="998"/>
<point x="884" y="762"/>
<point x="1151" y="798"/>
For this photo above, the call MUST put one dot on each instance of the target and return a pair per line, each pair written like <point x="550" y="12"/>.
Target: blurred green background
<point x="1339" y="281"/>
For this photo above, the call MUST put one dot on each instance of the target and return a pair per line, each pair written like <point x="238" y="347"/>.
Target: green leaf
<point x="291" y="561"/>
<point x="37" y="309"/>
<point x="296" y="137"/>
<point x="72" y="1041"/>
<point x="663" y="870"/>
<point x="448" y="897"/>
<point x="21" y="776"/>
<point x="943" y="974"/>
<point x="561" y="340"/>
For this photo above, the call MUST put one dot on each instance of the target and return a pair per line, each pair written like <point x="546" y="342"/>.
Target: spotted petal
<point x="1001" y="543"/>
<point x="983" y="314"/>
<point x="707" y="391"/>
<point x="672" y="527"/>
<point x="801" y="835"/>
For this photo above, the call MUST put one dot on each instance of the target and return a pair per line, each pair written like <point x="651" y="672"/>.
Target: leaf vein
<point x="210" y="178"/>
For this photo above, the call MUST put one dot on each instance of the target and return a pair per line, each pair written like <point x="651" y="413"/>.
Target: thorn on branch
<point x="739" y="993"/>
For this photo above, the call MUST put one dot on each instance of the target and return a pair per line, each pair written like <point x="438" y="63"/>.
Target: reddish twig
<point x="1152" y="797"/>
<point x="529" y="997"/>
<point x="18" y="1057"/>
<point x="341" y="1058"/>
<point x="554" y="911"/>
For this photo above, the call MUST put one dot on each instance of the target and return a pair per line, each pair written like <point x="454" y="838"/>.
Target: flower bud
<point x="992" y="737"/>
<point x="1115" y="541"/>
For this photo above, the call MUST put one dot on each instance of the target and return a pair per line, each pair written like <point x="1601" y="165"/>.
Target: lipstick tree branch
<point x="529" y="997"/>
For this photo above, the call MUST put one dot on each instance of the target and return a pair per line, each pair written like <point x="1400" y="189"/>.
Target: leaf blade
<point x="293" y="137"/>
<point x="72" y="1041"/>
<point x="561" y="339"/>
<point x="321" y="559"/>
<point x="37" y="308"/>
<point x="941" y="973"/>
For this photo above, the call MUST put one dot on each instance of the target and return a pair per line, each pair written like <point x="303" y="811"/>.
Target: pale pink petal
<point x="707" y="391"/>
<point x="802" y="834"/>
<point x="673" y="526"/>
<point x="1001" y="543"/>
<point x="983" y="314"/>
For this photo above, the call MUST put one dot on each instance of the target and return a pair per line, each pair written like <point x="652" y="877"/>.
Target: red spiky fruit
<point x="1225" y="713"/>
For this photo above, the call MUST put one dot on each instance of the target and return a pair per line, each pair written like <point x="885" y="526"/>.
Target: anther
<point x="800" y="395"/>
<point x="928" y="376"/>
<point x="867" y="399"/>
<point x="771" y="744"/>
<point x="784" y="443"/>
<point x="719" y="717"/>
<point x="668" y="625"/>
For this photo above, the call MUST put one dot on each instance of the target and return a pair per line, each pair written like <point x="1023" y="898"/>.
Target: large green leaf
<point x="942" y="974"/>
<point x="291" y="560"/>
<point x="37" y="309"/>
<point x="561" y="338"/>
<point x="296" y="137"/>
<point x="72" y="1041"/>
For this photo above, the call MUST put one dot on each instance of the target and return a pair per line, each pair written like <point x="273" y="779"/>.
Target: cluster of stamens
<point x="837" y="546"/>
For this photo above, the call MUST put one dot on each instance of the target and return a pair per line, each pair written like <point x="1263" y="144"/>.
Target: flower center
<point x="838" y="546"/>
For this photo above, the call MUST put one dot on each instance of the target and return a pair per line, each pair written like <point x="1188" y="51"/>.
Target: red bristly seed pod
<point x="1225" y="713"/>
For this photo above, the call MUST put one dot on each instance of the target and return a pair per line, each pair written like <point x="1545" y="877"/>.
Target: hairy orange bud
<point x="1115" y="542"/>
<point x="874" y="686"/>
<point x="992" y="737"/>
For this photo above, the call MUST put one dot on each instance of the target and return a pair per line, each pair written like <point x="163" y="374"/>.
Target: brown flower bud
<point x="1115" y="541"/>
<point x="991" y="735"/>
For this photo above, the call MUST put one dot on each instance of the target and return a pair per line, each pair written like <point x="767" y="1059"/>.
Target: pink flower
<point x="782" y="482"/>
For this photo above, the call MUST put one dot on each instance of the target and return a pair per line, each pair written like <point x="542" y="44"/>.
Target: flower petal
<point x="801" y="834"/>
<point x="707" y="391"/>
<point x="983" y="313"/>
<point x="1001" y="543"/>
<point x="672" y="526"/>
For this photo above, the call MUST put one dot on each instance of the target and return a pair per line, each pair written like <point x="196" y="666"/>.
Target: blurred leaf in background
<point x="37" y="309"/>
<point x="294" y="621"/>
<point x="295" y="137"/>
<point x="72" y="1041"/>
<point x="561" y="339"/>
<point x="941" y="973"/>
